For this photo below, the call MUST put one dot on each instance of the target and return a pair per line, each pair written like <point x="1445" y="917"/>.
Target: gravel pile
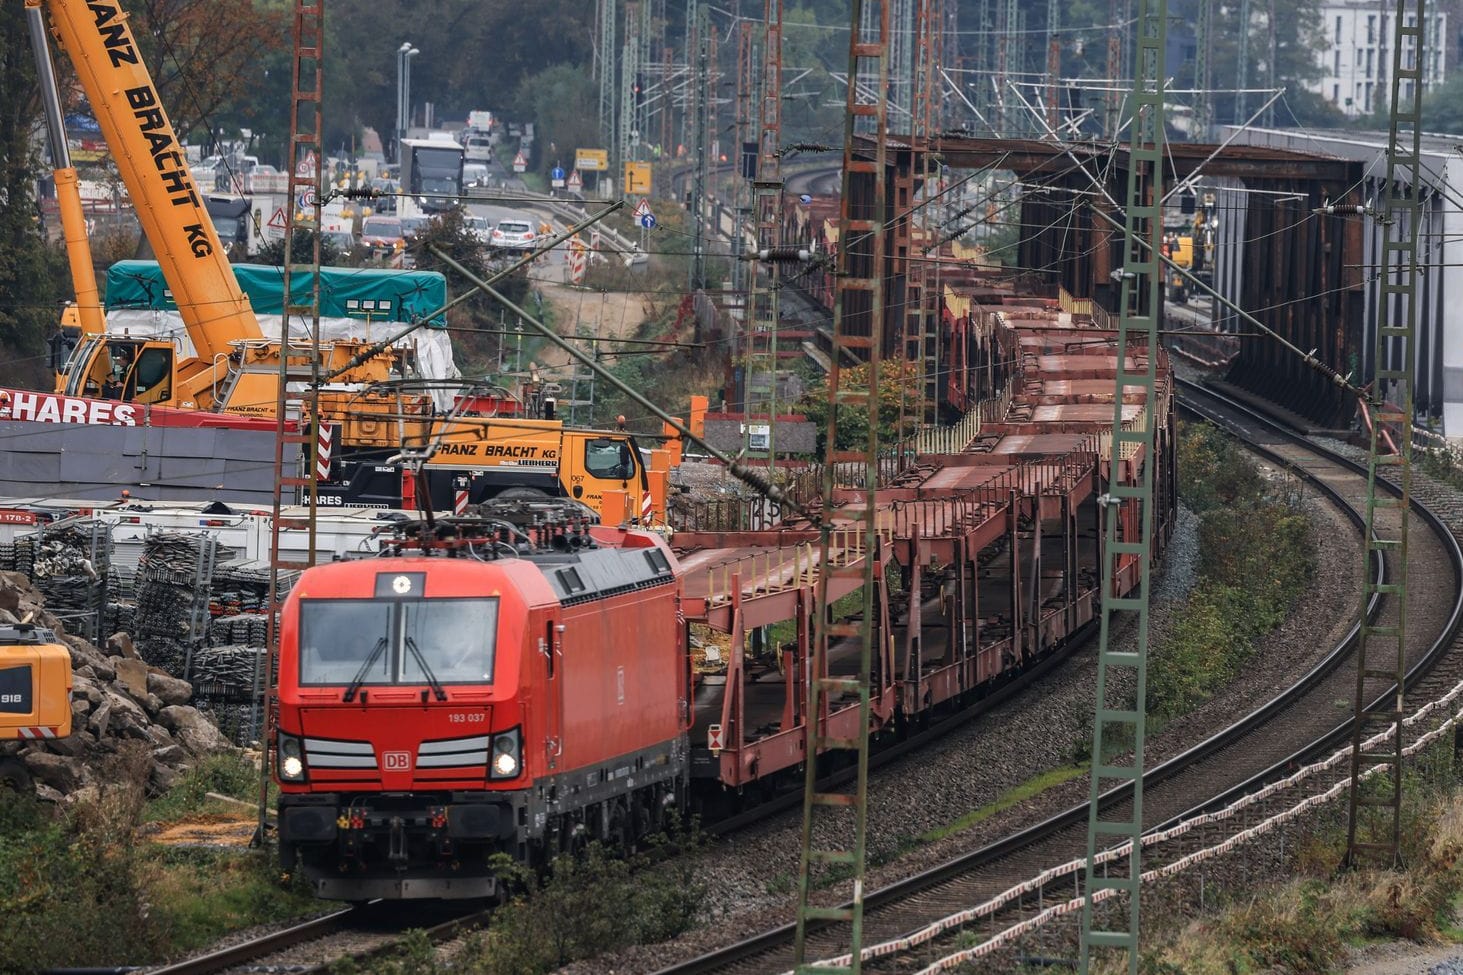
<point x="753" y="876"/>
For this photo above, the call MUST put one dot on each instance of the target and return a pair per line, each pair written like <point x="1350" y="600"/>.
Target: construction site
<point x="899" y="452"/>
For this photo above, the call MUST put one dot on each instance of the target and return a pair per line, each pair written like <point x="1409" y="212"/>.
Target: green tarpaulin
<point x="378" y="294"/>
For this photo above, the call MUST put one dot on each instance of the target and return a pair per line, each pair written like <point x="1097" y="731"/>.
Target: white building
<point x="1357" y="61"/>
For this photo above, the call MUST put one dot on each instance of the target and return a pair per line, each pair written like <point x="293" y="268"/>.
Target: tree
<point x="304" y="239"/>
<point x="896" y="378"/>
<point x="474" y="55"/>
<point x="30" y="271"/>
<point x="563" y="102"/>
<point x="477" y="320"/>
<point x="1442" y="107"/>
<point x="206" y="56"/>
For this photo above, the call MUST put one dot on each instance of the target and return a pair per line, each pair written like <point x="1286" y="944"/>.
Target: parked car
<point x="344" y="240"/>
<point x="513" y="235"/>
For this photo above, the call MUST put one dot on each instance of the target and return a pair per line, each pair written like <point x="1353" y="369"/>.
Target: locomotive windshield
<point x="373" y="643"/>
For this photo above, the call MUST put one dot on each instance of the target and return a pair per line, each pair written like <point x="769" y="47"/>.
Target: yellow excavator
<point x="35" y="695"/>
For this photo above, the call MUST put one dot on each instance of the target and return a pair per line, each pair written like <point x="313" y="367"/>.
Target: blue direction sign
<point x="556" y="173"/>
<point x="648" y="221"/>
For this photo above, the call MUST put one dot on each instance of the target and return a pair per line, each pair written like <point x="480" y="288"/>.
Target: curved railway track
<point x="915" y="923"/>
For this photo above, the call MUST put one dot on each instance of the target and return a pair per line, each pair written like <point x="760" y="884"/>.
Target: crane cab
<point x="35" y="693"/>
<point x="136" y="370"/>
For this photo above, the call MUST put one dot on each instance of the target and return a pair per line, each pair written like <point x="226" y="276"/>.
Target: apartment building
<point x="1357" y="62"/>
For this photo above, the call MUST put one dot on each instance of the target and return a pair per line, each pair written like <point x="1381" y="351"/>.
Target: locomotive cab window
<point x="376" y="642"/>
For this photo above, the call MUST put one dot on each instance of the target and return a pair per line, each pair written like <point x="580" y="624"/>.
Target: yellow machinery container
<point x="35" y="693"/>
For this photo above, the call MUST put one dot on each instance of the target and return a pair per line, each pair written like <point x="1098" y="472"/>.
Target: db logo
<point x="396" y="761"/>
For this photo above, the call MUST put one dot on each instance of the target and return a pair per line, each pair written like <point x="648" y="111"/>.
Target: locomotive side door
<point x="551" y="647"/>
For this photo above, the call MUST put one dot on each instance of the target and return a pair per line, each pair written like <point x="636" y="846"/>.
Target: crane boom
<point x="68" y="192"/>
<point x="153" y="165"/>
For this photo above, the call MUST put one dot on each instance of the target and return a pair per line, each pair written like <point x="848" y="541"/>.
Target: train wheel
<point x="642" y="822"/>
<point x="15" y="776"/>
<point x="621" y="829"/>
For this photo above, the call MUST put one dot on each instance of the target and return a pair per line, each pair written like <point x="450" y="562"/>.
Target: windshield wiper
<point x="416" y="653"/>
<point x="360" y="678"/>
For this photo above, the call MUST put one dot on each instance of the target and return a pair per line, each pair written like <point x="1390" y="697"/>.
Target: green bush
<point x="1293" y="929"/>
<point x="583" y="907"/>
<point x="1256" y="558"/>
<point x="1212" y="469"/>
<point x="72" y="890"/>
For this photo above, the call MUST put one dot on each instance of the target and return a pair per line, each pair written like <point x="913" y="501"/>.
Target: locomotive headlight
<point x="291" y="762"/>
<point x="507" y="756"/>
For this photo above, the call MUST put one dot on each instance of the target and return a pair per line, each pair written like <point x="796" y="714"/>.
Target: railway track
<point x="928" y="922"/>
<point x="360" y="933"/>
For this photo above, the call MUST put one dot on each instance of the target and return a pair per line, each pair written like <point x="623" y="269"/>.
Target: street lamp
<point x="404" y="54"/>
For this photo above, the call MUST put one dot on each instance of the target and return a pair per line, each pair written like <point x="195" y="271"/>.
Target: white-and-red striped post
<point x="323" y="439"/>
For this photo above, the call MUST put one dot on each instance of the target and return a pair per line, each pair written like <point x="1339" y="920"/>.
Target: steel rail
<point x="247" y="951"/>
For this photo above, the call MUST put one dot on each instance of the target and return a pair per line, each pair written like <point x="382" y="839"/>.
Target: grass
<point x="1011" y="797"/>
<point x="1311" y="917"/>
<point x="1450" y="929"/>
<point x="81" y="886"/>
<point x="228" y="775"/>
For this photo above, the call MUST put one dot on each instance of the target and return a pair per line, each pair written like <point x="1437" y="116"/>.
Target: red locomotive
<point x="476" y="691"/>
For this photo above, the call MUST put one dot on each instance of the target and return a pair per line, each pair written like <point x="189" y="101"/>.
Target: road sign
<point x="306" y="166"/>
<point x="277" y="219"/>
<point x="575" y="182"/>
<point x="306" y="199"/>
<point x="556" y="173"/>
<point x="642" y="208"/>
<point x="637" y="177"/>
<point x="648" y="221"/>
<point x="587" y="159"/>
<point x="519" y="163"/>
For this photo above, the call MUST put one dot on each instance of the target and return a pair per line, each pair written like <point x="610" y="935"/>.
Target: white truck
<point x="478" y="137"/>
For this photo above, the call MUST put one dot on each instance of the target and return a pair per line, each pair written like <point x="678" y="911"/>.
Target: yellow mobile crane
<point x="234" y="367"/>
